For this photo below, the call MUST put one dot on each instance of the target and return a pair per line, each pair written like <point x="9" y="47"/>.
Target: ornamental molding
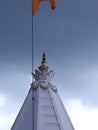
<point x="43" y="80"/>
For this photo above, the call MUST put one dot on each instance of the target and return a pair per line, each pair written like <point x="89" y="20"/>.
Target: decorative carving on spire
<point x="43" y="77"/>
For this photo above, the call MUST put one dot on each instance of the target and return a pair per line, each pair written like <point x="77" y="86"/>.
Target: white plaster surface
<point x="43" y="108"/>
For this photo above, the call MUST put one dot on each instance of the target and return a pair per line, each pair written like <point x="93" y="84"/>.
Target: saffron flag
<point x="36" y="5"/>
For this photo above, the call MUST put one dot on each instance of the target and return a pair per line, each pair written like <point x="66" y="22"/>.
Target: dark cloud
<point x="81" y="83"/>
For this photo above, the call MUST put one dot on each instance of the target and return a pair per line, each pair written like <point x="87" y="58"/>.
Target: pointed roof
<point x="42" y="108"/>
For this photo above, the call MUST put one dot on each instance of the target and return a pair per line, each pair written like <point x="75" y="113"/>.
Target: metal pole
<point x="32" y="50"/>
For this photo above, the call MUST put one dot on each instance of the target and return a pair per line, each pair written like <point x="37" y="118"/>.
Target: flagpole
<point x="32" y="49"/>
<point x="32" y="63"/>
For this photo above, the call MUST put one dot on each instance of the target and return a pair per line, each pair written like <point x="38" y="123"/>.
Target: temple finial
<point x="43" y="63"/>
<point x="44" y="58"/>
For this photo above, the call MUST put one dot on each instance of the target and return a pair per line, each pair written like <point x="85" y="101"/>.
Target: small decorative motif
<point x="42" y="79"/>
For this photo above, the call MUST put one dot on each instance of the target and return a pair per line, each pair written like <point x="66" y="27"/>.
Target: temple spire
<point x="43" y="65"/>
<point x="43" y="108"/>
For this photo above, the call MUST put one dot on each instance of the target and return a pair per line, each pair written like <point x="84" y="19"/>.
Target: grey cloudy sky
<point x="69" y="35"/>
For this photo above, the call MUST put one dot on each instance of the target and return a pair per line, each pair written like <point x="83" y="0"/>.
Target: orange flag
<point x="36" y="5"/>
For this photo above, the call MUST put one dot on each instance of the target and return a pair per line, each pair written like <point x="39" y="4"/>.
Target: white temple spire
<point x="43" y="108"/>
